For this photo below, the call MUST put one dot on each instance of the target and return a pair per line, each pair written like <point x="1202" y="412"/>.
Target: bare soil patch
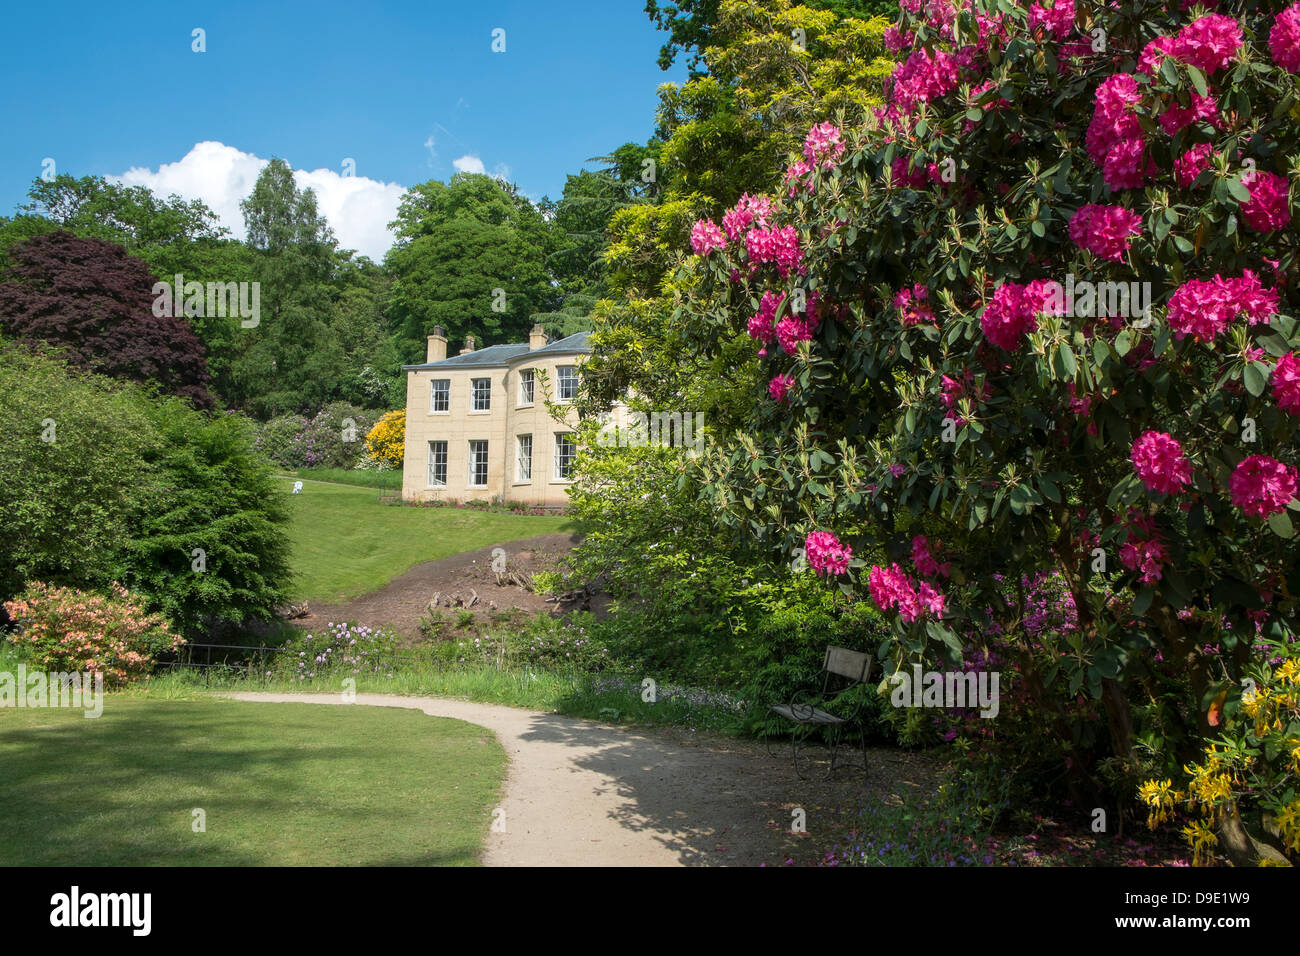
<point x="467" y="588"/>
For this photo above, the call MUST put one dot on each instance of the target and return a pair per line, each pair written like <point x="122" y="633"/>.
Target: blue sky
<point x="409" y="91"/>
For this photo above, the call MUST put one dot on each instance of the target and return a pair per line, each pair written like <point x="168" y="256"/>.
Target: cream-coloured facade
<point x="477" y="425"/>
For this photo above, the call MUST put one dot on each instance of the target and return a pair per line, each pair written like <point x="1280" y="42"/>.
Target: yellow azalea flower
<point x="1201" y="839"/>
<point x="1288" y="825"/>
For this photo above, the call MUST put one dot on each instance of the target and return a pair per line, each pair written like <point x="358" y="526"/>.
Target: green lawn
<point x="346" y="543"/>
<point x="281" y="784"/>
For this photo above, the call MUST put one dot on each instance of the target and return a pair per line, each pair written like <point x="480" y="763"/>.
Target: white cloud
<point x="469" y="164"/>
<point x="358" y="209"/>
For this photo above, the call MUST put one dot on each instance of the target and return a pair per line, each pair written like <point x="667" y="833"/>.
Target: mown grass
<point x="347" y="543"/>
<point x="279" y="784"/>
<point x="389" y="480"/>
<point x="616" y="699"/>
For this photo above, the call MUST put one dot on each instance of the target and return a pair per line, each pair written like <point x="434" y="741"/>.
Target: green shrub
<point x="106" y="482"/>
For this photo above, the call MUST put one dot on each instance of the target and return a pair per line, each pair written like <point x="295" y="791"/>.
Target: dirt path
<point x="580" y="793"/>
<point x="401" y="602"/>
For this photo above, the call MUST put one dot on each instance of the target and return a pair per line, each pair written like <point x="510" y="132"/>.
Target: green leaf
<point x="1256" y="378"/>
<point x="1239" y="192"/>
<point x="1280" y="525"/>
<point x="1198" y="80"/>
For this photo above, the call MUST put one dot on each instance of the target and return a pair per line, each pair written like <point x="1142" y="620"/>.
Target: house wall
<point x="500" y="426"/>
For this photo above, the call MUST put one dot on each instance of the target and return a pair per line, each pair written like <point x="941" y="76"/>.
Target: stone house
<point x="477" y="425"/>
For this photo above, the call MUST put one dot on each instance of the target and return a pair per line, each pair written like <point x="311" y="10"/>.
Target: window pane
<point x="525" y="457"/>
<point x="478" y="463"/>
<point x="437" y="463"/>
<point x="568" y="382"/>
<point x="482" y="392"/>
<point x="565" y="452"/>
<point x="441" y="395"/>
<point x="526" y="387"/>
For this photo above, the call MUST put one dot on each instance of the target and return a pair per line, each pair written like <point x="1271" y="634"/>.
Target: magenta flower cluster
<point x="892" y="588"/>
<point x="1159" y="461"/>
<point x="749" y="211"/>
<point x="1013" y="311"/>
<point x="1262" y="486"/>
<point x="923" y="558"/>
<point x="1104" y="230"/>
<point x="1269" y="206"/>
<point x="1203" y="308"/>
<point x="706" y="236"/>
<point x="826" y="553"/>
<point x="913" y="305"/>
<point x="1284" y="39"/>
<point x="1286" y="384"/>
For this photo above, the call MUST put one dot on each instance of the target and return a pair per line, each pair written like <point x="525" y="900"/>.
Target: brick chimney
<point x="536" y="338"/>
<point x="469" y="345"/>
<point x="437" y="345"/>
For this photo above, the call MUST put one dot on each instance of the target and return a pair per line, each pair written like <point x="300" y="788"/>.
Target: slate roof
<point x="498" y="356"/>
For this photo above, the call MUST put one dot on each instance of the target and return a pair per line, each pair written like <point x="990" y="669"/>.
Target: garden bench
<point x="837" y="708"/>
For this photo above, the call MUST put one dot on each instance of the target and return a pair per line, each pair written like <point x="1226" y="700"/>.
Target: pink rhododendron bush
<point x="1045" y="313"/>
<point x="67" y="630"/>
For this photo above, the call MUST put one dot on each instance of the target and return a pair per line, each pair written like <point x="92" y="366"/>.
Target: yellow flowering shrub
<point x="1252" y="771"/>
<point x="386" y="442"/>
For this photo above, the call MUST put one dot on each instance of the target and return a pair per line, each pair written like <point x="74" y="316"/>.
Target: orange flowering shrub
<point x="70" y="630"/>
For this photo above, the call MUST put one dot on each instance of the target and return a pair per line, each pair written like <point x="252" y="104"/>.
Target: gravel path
<point x="580" y="793"/>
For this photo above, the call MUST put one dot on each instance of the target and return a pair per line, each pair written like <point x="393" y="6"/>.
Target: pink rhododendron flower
<point x="1208" y="43"/>
<point x="1284" y="39"/>
<point x="1010" y="314"/>
<point x="1262" y="486"/>
<point x="897" y="39"/>
<point x="931" y="599"/>
<point x="913" y="307"/>
<point x="1269" y="207"/>
<point x="794" y="174"/>
<point x="1146" y="555"/>
<point x="761" y="326"/>
<point x="1127" y="165"/>
<point x="749" y="211"/>
<point x="1286" y="384"/>
<point x="922" y="77"/>
<point x="1192" y="163"/>
<point x="1177" y="118"/>
<point x="1203" y="308"/>
<point x="952" y="391"/>
<point x="904" y="175"/>
<point x="792" y="330"/>
<point x="824" y="145"/>
<point x="1114" y="139"/>
<point x="780" y="387"/>
<point x="1104" y="230"/>
<point x="707" y="236"/>
<point x="892" y="588"/>
<point x="1059" y="19"/>
<point x="778" y="246"/>
<point x="1159" y="461"/>
<point x="1154" y="53"/>
<point x="923" y="558"/>
<point x="826" y="554"/>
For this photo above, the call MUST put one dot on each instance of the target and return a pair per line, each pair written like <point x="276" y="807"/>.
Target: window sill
<point x="480" y="411"/>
